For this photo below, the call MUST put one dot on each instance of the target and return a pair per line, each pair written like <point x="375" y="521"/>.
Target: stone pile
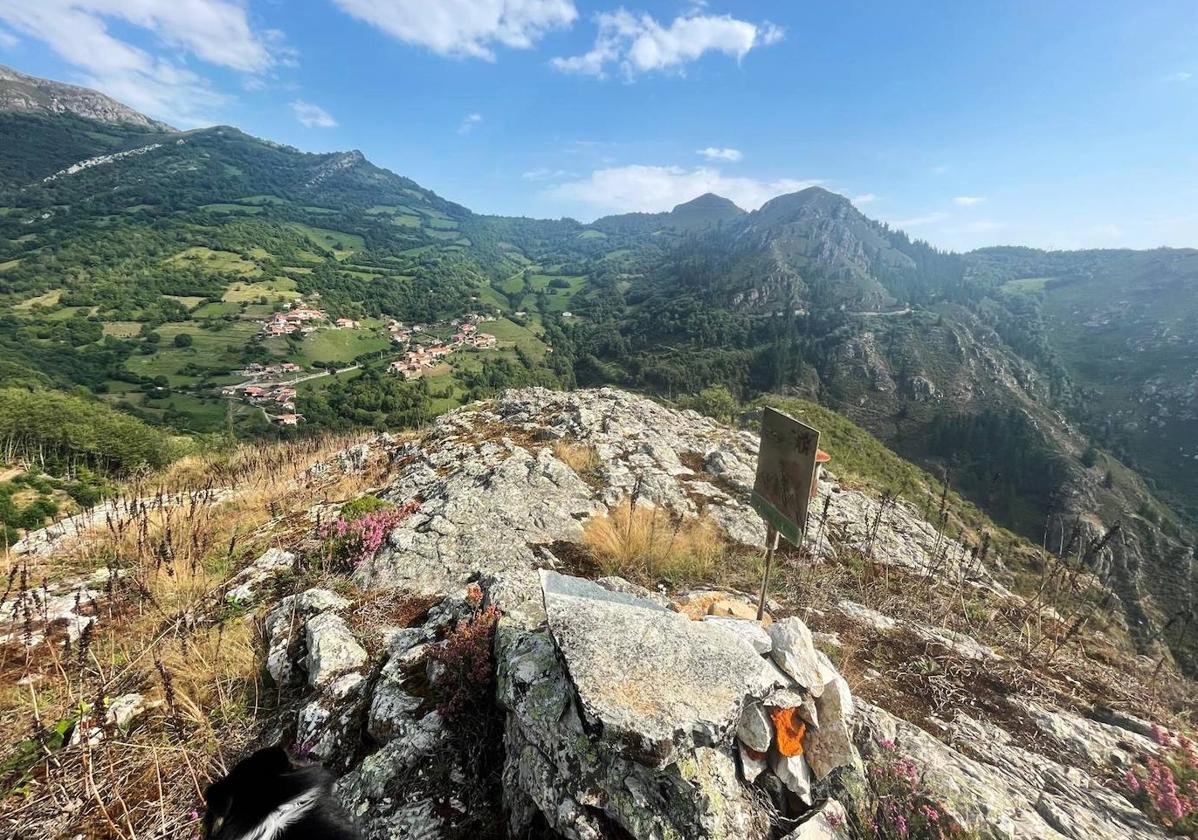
<point x="623" y="712"/>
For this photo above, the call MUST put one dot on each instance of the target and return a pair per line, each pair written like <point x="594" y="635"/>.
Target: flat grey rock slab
<point x="649" y="680"/>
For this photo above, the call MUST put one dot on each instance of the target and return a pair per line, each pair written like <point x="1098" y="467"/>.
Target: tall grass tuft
<point x="634" y="540"/>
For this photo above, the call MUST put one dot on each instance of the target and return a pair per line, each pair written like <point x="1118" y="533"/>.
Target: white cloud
<point x="968" y="200"/>
<point x="312" y="116"/>
<point x="7" y="39"/>
<point x="544" y="173"/>
<point x="716" y="153"/>
<point x="1183" y="76"/>
<point x="469" y="122"/>
<point x="639" y="44"/>
<point x="653" y="189"/>
<point x="464" y="27"/>
<point x="864" y="198"/>
<point x="217" y="32"/>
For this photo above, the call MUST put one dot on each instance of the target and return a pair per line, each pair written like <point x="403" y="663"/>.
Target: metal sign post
<point x="782" y="490"/>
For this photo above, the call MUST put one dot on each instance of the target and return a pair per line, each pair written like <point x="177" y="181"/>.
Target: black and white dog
<point x="267" y="796"/>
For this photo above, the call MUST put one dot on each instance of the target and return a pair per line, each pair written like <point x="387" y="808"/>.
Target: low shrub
<point x="356" y="540"/>
<point x="899" y="805"/>
<point x="1165" y="787"/>
<point x="467" y="666"/>
<point x="363" y="505"/>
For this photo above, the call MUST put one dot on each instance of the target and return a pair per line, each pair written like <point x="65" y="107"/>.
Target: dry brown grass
<point x="584" y="460"/>
<point x="646" y="543"/>
<point x="164" y="631"/>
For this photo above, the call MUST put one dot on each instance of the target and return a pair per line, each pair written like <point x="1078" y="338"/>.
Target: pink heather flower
<point x="886" y="744"/>
<point x="835" y="819"/>
<point x="929" y="813"/>
<point x="1160" y="735"/>
<point x="1132" y="781"/>
<point x="364" y="536"/>
<point x="907" y="770"/>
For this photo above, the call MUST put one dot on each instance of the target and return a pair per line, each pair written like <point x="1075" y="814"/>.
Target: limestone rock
<point x="582" y="782"/>
<point x="382" y="807"/>
<point x="829" y="745"/>
<point x="755" y="730"/>
<point x="751" y="765"/>
<point x="332" y="649"/>
<point x="829" y="822"/>
<point x="284" y="627"/>
<point x="250" y="580"/>
<point x="794" y="773"/>
<point x="1092" y="742"/>
<point x="619" y="584"/>
<point x="655" y="682"/>
<point x="736" y="609"/>
<point x="485" y="501"/>
<point x="392" y="707"/>
<point x="125" y="711"/>
<point x="794" y="651"/>
<point x="1001" y="790"/>
<point x="695" y="605"/>
<point x="750" y="631"/>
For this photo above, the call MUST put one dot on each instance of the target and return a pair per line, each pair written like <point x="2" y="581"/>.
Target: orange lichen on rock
<point x="696" y="604"/>
<point x="789" y="730"/>
<point x="738" y="609"/>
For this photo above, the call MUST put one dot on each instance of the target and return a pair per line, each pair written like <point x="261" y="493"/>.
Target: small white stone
<point x="794" y="773"/>
<point x="751" y="767"/>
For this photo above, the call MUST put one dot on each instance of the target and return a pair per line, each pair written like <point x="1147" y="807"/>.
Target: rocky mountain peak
<point x="28" y="94"/>
<point x="805" y="202"/>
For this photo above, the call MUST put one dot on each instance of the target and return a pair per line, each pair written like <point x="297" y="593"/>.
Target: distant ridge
<point x="30" y="95"/>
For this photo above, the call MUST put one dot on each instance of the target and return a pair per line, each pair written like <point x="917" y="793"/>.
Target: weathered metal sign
<point x="785" y="473"/>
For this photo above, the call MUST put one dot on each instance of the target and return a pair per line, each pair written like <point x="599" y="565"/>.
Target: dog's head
<point x="253" y="788"/>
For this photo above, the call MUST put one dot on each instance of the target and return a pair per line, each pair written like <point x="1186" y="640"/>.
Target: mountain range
<point x="1056" y="390"/>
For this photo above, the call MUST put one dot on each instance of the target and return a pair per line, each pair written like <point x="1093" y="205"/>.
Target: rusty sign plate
<point x="785" y="473"/>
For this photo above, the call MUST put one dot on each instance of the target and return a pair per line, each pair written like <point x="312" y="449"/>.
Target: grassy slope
<point x="862" y="459"/>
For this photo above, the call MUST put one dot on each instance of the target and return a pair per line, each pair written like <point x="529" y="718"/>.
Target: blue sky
<point x="1057" y="124"/>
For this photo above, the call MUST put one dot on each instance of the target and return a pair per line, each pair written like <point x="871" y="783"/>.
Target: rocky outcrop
<point x="623" y="711"/>
<point x="247" y="585"/>
<point x="995" y="787"/>
<point x="27" y="94"/>
<point x="490" y="488"/>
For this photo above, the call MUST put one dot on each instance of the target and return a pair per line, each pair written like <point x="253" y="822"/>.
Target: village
<point x="271" y="387"/>
<point x="301" y="320"/>
<point x="425" y="350"/>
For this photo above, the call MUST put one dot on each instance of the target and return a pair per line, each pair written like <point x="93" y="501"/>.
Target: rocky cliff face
<point x="890" y="651"/>
<point x="28" y="94"/>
